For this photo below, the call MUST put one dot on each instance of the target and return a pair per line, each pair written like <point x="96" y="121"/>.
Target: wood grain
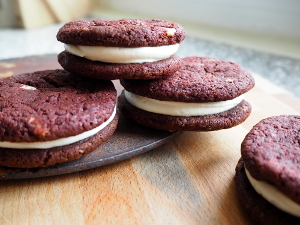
<point x="186" y="181"/>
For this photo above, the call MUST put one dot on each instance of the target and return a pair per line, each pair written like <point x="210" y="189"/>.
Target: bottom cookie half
<point x="111" y="71"/>
<point x="224" y="120"/>
<point x="259" y="209"/>
<point x="32" y="158"/>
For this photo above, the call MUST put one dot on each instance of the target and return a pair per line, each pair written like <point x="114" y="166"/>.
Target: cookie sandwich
<point x="121" y="49"/>
<point x="52" y="116"/>
<point x="204" y="94"/>
<point x="268" y="173"/>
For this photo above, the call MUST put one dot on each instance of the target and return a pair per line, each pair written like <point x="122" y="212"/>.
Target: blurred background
<point x="275" y="17"/>
<point x="271" y="25"/>
<point x="262" y="36"/>
<point x="278" y="17"/>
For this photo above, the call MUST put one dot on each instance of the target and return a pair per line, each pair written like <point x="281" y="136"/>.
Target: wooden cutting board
<point x="189" y="180"/>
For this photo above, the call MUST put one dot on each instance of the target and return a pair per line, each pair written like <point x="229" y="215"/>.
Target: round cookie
<point x="121" y="33"/>
<point x="270" y="164"/>
<point x="200" y="79"/>
<point x="121" y="49"/>
<point x="56" y="111"/>
<point x="110" y="71"/>
<point x="218" y="121"/>
<point x="204" y="95"/>
<point x="32" y="158"/>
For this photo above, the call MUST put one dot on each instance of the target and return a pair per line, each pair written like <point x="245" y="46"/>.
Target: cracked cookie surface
<point x="121" y="33"/>
<point x="199" y="79"/>
<point x="52" y="104"/>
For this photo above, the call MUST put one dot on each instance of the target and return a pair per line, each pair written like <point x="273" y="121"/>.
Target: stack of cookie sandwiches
<point x="162" y="91"/>
<point x="53" y="116"/>
<point x="121" y="49"/>
<point x="205" y="94"/>
<point x="267" y="175"/>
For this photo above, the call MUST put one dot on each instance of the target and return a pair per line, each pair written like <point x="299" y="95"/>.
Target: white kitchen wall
<point x="275" y="17"/>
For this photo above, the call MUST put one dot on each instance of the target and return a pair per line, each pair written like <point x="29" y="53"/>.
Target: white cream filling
<point x="180" y="108"/>
<point x="274" y="196"/>
<point x="122" y="55"/>
<point x="58" y="142"/>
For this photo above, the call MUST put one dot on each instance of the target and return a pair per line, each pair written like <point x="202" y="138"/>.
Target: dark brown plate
<point x="129" y="139"/>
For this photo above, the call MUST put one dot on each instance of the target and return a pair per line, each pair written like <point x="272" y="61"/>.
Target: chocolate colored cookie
<point x="201" y="82"/>
<point x="121" y="49"/>
<point x="121" y="33"/>
<point x="111" y="71"/>
<point x="32" y="158"/>
<point x="53" y="108"/>
<point x="271" y="154"/>
<point x="200" y="79"/>
<point x="223" y="120"/>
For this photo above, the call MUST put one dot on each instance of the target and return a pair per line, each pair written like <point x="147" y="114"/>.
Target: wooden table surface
<point x="186" y="181"/>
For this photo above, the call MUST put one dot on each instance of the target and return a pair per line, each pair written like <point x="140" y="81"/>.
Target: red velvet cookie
<point x="110" y="71"/>
<point x="121" y="33"/>
<point x="146" y="47"/>
<point x="53" y="116"/>
<point x="204" y="95"/>
<point x="271" y="155"/>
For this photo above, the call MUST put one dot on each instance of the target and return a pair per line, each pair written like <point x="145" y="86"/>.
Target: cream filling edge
<point x="121" y="54"/>
<point x="274" y="196"/>
<point x="180" y="108"/>
<point x="58" y="142"/>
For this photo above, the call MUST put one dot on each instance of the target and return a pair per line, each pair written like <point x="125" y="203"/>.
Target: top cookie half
<point x="199" y="79"/>
<point x="52" y="104"/>
<point x="121" y="33"/>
